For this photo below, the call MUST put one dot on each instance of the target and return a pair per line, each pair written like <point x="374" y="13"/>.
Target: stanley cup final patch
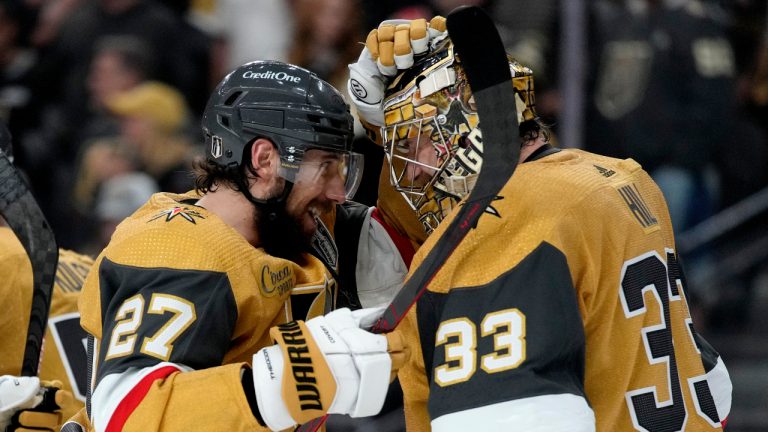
<point x="216" y="147"/>
<point x="324" y="246"/>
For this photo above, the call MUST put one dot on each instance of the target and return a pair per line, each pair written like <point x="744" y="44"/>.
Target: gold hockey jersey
<point x="16" y="298"/>
<point x="179" y="302"/>
<point x="64" y="356"/>
<point x="569" y="285"/>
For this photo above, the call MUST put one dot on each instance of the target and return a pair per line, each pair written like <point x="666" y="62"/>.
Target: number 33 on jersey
<point x="572" y="319"/>
<point x="487" y="351"/>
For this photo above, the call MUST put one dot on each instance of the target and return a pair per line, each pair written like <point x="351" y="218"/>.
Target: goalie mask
<point x="432" y="136"/>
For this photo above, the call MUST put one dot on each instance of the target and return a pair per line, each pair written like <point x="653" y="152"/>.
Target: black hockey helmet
<point x="287" y="104"/>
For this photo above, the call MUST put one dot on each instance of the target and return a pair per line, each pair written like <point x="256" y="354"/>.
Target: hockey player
<point x="63" y="360"/>
<point x="63" y="363"/>
<point x="565" y="307"/>
<point x="181" y="302"/>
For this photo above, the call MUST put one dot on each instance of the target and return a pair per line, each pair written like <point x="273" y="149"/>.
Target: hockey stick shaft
<point x="482" y="55"/>
<point x="22" y="213"/>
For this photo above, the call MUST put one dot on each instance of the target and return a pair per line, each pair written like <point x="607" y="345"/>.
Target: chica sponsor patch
<point x="276" y="281"/>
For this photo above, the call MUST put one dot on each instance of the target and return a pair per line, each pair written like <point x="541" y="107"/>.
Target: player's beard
<point x="280" y="233"/>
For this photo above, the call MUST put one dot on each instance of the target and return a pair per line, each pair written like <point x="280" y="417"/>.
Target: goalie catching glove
<point x="327" y="365"/>
<point x="26" y="403"/>
<point x="388" y="48"/>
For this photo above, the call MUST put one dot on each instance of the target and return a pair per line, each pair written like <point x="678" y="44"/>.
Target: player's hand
<point x="26" y="403"/>
<point x="328" y="365"/>
<point x="388" y="48"/>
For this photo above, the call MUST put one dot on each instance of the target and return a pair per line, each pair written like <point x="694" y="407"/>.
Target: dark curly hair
<point x="532" y="129"/>
<point x="209" y="174"/>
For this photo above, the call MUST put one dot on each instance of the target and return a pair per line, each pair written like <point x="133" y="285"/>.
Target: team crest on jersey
<point x="183" y="212"/>
<point x="324" y="246"/>
<point x="492" y="210"/>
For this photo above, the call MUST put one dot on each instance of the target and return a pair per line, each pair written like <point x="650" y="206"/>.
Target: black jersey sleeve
<point x="152" y="315"/>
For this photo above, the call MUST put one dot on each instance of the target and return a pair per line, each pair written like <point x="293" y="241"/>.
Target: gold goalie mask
<point x="432" y="136"/>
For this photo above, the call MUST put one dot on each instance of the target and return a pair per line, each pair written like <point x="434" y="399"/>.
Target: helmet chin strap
<point x="268" y="206"/>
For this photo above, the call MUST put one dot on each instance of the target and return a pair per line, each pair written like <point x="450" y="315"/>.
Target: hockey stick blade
<point x="482" y="55"/>
<point x="22" y="213"/>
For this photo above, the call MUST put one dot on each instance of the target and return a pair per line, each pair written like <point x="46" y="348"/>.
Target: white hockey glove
<point x="28" y="404"/>
<point x="327" y="365"/>
<point x="388" y="48"/>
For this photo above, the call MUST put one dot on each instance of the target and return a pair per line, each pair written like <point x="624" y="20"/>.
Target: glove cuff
<point x="374" y="383"/>
<point x="308" y="384"/>
<point x="367" y="93"/>
<point x="268" y="368"/>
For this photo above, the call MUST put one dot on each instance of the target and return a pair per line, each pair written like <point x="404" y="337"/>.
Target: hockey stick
<point x="23" y="215"/>
<point x="484" y="59"/>
<point x="482" y="55"/>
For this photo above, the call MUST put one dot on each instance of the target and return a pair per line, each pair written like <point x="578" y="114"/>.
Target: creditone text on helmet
<point x="280" y="76"/>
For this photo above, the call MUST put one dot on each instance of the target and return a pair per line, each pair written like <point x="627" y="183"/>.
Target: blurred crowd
<point x="103" y="97"/>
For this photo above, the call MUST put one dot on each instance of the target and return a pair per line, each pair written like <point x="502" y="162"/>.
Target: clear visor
<point x="417" y="154"/>
<point x="335" y="174"/>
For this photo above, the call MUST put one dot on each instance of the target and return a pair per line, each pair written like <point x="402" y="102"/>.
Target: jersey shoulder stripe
<point x="132" y="400"/>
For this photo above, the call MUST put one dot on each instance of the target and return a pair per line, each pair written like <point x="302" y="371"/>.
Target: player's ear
<point x="265" y="158"/>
